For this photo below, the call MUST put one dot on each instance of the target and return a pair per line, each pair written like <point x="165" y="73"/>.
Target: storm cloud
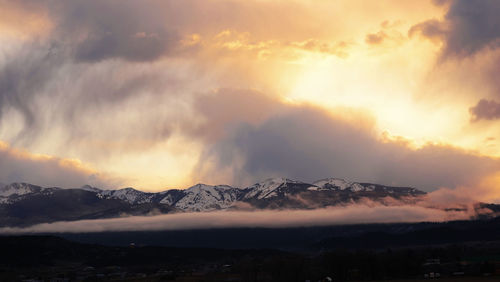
<point x="101" y="30"/>
<point x="469" y="26"/>
<point x="307" y="143"/>
<point x="23" y="76"/>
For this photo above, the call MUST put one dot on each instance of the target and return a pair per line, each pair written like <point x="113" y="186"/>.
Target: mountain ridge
<point x="24" y="203"/>
<point x="264" y="189"/>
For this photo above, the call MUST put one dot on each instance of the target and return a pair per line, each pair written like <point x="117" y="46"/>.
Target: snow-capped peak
<point x="276" y="181"/>
<point x="339" y="184"/>
<point x="202" y="197"/>
<point x="200" y="187"/>
<point x="329" y="183"/>
<point x="267" y="188"/>
<point x="128" y="194"/>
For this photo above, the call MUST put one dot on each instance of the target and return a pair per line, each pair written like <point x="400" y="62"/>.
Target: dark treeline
<point x="49" y="257"/>
<point x="306" y="239"/>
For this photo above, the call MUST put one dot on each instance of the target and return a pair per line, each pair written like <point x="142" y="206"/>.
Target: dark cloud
<point x="99" y="30"/>
<point x="306" y="143"/>
<point x="432" y="29"/>
<point x="127" y="29"/>
<point x="485" y="110"/>
<point x="469" y="26"/>
<point x="473" y="26"/>
<point x="23" y="76"/>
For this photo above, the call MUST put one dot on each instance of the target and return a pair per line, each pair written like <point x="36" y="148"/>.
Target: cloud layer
<point x="295" y="218"/>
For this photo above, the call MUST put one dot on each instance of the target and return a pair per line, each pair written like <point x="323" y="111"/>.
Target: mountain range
<point x="23" y="204"/>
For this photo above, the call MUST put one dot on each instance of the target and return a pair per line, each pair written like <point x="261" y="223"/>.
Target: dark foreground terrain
<point x="454" y="251"/>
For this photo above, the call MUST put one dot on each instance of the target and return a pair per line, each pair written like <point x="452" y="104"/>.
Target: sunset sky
<point x="165" y="94"/>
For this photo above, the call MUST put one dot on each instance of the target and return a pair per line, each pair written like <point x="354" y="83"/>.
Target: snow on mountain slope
<point x="342" y="185"/>
<point x="356" y="187"/>
<point x="129" y="195"/>
<point x="168" y="200"/>
<point x="332" y="184"/>
<point x="19" y="189"/>
<point x="328" y="184"/>
<point x="269" y="188"/>
<point x="203" y="197"/>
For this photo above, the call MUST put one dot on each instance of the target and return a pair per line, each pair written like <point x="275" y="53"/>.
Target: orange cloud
<point x="23" y="20"/>
<point x="22" y="166"/>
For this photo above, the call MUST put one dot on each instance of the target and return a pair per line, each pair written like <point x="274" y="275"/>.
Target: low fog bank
<point x="353" y="214"/>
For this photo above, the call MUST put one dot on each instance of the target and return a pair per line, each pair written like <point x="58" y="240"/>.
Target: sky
<point x="160" y="94"/>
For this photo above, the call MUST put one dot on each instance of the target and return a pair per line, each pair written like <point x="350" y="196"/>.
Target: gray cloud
<point x="23" y="76"/>
<point x="228" y="107"/>
<point x="485" y="110"/>
<point x="49" y="91"/>
<point x="469" y="26"/>
<point x="100" y="30"/>
<point x="98" y="57"/>
<point x="474" y="25"/>
<point x="432" y="29"/>
<point x="308" y="144"/>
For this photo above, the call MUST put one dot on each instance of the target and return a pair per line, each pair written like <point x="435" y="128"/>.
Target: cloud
<point x="227" y="107"/>
<point x="389" y="36"/>
<point x="375" y="38"/>
<point x="128" y="30"/>
<point x="307" y="143"/>
<point x="354" y="214"/>
<point x="23" y="76"/>
<point x="22" y="166"/>
<point x="109" y="79"/>
<point x="432" y="29"/>
<point x="474" y="25"/>
<point x="469" y="26"/>
<point x="486" y="190"/>
<point x="485" y="110"/>
<point x="314" y="45"/>
<point x="23" y="19"/>
<point x="49" y="92"/>
<point x="148" y="30"/>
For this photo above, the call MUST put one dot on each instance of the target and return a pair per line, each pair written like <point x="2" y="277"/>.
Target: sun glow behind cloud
<point x="125" y="101"/>
<point x="383" y="85"/>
